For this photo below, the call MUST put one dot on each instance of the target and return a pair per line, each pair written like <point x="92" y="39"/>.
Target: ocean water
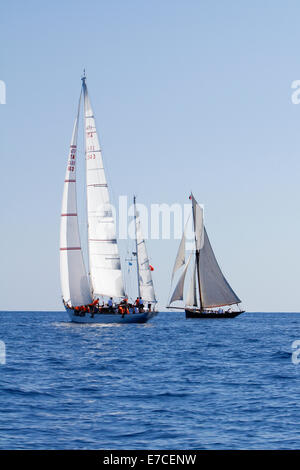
<point x="169" y="384"/>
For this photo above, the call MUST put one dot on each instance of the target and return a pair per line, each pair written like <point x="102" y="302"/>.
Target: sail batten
<point x="74" y="280"/>
<point x="104" y="260"/>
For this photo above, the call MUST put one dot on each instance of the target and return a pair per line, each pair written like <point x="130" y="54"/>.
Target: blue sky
<point x="187" y="95"/>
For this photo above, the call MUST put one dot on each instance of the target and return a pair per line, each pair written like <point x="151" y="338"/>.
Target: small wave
<point x="133" y="434"/>
<point x="23" y="392"/>
<point x="282" y="354"/>
<point x="281" y="376"/>
<point x="216" y="345"/>
<point x="172" y="394"/>
<point x="56" y="361"/>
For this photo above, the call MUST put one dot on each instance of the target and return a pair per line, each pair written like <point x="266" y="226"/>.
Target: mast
<point x="136" y="249"/>
<point x="197" y="254"/>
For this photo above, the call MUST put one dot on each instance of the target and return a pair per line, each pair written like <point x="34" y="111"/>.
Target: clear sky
<point x="187" y="95"/>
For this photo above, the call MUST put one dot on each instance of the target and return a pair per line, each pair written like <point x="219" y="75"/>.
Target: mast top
<point x="83" y="78"/>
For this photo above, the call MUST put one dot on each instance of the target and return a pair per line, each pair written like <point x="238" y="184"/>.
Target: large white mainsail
<point x="145" y="283"/>
<point x="104" y="260"/>
<point x="74" y="280"/>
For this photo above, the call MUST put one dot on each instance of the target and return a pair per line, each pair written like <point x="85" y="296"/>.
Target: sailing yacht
<point x="98" y="297"/>
<point x="209" y="291"/>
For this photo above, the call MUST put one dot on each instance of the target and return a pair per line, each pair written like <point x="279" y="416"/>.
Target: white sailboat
<point x="208" y="292"/>
<point x="100" y="296"/>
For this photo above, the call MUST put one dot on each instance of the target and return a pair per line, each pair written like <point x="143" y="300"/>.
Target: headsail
<point x="145" y="283"/>
<point x="104" y="260"/>
<point x="180" y="258"/>
<point x="74" y="280"/>
<point x="178" y="291"/>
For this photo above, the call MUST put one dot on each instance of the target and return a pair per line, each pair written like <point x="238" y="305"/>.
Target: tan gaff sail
<point x="104" y="260"/>
<point x="74" y="281"/>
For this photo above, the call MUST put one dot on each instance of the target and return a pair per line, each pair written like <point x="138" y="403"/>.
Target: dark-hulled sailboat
<point x="209" y="291"/>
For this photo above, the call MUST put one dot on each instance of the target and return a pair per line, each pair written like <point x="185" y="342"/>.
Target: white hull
<point x="111" y="317"/>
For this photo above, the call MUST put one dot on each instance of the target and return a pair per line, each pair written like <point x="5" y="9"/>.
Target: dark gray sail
<point x="215" y="290"/>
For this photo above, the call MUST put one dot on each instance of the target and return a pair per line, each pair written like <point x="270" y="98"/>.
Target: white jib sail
<point x="146" y="288"/>
<point x="178" y="291"/>
<point x="104" y="260"/>
<point x="74" y="280"/>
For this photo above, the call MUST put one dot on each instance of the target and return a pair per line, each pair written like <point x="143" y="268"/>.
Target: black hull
<point x="198" y="314"/>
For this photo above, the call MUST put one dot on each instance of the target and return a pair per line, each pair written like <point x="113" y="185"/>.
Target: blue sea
<point x="169" y="384"/>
